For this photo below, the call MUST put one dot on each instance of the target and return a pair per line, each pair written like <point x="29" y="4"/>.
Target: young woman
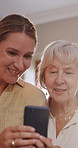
<point x="17" y="43"/>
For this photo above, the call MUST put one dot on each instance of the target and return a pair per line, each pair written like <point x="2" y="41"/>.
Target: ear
<point x="76" y="92"/>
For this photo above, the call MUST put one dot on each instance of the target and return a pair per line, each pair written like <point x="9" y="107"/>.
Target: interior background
<point x="54" y="20"/>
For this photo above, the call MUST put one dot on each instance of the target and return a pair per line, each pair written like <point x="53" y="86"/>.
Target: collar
<point x="20" y="82"/>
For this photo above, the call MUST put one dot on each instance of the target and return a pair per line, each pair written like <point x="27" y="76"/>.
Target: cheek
<point x="73" y="84"/>
<point x="48" y="82"/>
<point x="73" y="87"/>
<point x="27" y="64"/>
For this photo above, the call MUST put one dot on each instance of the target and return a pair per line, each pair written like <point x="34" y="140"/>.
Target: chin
<point x="11" y="81"/>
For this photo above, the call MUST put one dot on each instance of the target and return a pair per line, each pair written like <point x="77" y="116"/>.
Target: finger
<point x="39" y="144"/>
<point x="24" y="142"/>
<point x="46" y="141"/>
<point x="32" y="146"/>
<point x="20" y="128"/>
<point x="20" y="132"/>
<point x="17" y="129"/>
<point x="24" y="135"/>
<point x="54" y="147"/>
<point x="10" y="135"/>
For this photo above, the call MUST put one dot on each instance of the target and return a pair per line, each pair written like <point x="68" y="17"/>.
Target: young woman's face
<point x="15" y="56"/>
<point x="61" y="81"/>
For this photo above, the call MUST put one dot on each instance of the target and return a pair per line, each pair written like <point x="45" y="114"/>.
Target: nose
<point x="60" y="78"/>
<point x="19" y="64"/>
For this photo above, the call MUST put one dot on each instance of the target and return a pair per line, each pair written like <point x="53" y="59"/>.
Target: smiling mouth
<point x="14" y="71"/>
<point x="59" y="90"/>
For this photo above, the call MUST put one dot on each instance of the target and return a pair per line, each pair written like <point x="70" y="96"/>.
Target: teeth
<point x="14" y="71"/>
<point x="59" y="89"/>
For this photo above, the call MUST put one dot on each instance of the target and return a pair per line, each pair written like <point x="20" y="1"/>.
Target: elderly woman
<point x="59" y="75"/>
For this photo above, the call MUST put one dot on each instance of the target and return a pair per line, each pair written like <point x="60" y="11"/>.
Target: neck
<point x="63" y="111"/>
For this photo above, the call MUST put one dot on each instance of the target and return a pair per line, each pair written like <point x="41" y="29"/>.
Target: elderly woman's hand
<point x="18" y="136"/>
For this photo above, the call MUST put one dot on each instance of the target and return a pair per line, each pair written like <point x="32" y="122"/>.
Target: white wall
<point x="66" y="29"/>
<point x="29" y="75"/>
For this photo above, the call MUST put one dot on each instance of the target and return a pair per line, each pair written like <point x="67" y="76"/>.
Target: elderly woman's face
<point x="61" y="80"/>
<point x="15" y="56"/>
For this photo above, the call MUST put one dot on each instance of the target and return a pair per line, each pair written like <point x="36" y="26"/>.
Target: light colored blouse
<point x="68" y="136"/>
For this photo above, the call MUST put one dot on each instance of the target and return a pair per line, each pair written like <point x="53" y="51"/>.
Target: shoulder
<point x="30" y="91"/>
<point x="29" y="86"/>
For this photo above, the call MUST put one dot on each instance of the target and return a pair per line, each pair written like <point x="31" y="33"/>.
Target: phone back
<point x="37" y="117"/>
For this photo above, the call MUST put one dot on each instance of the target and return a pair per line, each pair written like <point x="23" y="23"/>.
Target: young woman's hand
<point x="43" y="142"/>
<point x="18" y="136"/>
<point x="47" y="142"/>
<point x="23" y="136"/>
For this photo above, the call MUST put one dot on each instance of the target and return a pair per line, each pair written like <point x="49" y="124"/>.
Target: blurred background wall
<point x="54" y="20"/>
<point x="66" y="29"/>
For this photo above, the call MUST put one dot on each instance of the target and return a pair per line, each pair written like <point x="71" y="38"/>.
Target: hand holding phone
<point x="37" y="117"/>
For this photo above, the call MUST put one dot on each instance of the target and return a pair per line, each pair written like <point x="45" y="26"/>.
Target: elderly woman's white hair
<point x="64" y="50"/>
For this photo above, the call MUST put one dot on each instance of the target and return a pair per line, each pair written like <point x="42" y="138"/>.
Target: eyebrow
<point x="67" y="68"/>
<point x="18" y="50"/>
<point x="51" y="65"/>
<point x="12" y="49"/>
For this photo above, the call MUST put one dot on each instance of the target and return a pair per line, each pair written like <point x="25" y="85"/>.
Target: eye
<point x="68" y="73"/>
<point x="54" y="72"/>
<point x="11" y="52"/>
<point x="27" y="56"/>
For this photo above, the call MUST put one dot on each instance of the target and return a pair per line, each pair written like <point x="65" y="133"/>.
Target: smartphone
<point x="37" y="117"/>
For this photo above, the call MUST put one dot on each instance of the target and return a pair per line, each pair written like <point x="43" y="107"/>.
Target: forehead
<point x="57" y="63"/>
<point x="18" y="41"/>
<point x="19" y="36"/>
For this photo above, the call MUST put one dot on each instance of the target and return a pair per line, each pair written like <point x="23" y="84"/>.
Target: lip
<point x="13" y="71"/>
<point x="59" y="89"/>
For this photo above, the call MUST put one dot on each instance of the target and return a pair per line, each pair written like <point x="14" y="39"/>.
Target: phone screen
<point x="37" y="117"/>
